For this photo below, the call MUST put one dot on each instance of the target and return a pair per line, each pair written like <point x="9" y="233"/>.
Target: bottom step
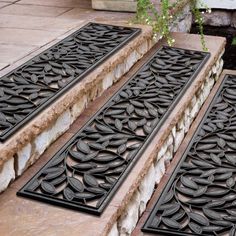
<point x="199" y="194"/>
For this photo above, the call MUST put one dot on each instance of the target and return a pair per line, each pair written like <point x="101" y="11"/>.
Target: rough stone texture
<point x="221" y="4"/>
<point x="23" y="157"/>
<point x="217" y="18"/>
<point x="129" y="218"/>
<point x="7" y="174"/>
<point x="114" y="231"/>
<point x="115" y="5"/>
<point x="183" y="22"/>
<point x="146" y="189"/>
<point x="233" y="19"/>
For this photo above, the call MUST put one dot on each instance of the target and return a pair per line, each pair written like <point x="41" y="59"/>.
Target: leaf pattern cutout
<point x="203" y="187"/>
<point x="95" y="161"/>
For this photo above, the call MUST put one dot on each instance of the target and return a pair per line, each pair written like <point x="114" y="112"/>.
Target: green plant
<point x="160" y="21"/>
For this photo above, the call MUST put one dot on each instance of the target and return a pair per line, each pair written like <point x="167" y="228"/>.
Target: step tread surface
<point x="199" y="173"/>
<point x="34" y="85"/>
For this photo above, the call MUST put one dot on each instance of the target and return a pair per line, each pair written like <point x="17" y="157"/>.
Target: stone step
<point x="29" y="140"/>
<point x="129" y="202"/>
<point x="93" y="164"/>
<point x="149" y="223"/>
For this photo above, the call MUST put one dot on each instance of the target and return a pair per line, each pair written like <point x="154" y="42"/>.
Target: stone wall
<point x="220" y="18"/>
<point x="129" y="218"/>
<point x="218" y="4"/>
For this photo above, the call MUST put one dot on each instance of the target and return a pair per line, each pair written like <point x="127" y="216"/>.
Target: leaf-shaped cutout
<point x="69" y="194"/>
<point x="231" y="157"/>
<point x="83" y="166"/>
<point x="111" y="180"/>
<point x="132" y="125"/>
<point x="118" y="142"/>
<point x="116" y="163"/>
<point x="121" y="149"/>
<point x="54" y="174"/>
<point x="58" y="180"/>
<point x="168" y="196"/>
<point x="199" y="218"/>
<point x="195" y="228"/>
<point x="171" y="223"/>
<point x="33" y="185"/>
<point x="171" y="210"/>
<point x="198" y="201"/>
<point x="105" y="138"/>
<point x="131" y="155"/>
<point x="76" y="184"/>
<point x="96" y="190"/>
<point x="104" y="128"/>
<point x="186" y="191"/>
<point x="200" y="191"/>
<point x="106" y="186"/>
<point x="118" y="124"/>
<point x="83" y="147"/>
<point x="217" y="193"/>
<point x="105" y="158"/>
<point x="212" y="214"/>
<point x="90" y="180"/>
<point x="48" y="187"/>
<point x="84" y="195"/>
<point x="215" y="158"/>
<point x="130" y="109"/>
<point x="208" y="173"/>
<point x="232" y="145"/>
<point x="137" y="103"/>
<point x="215" y="203"/>
<point x="96" y="146"/>
<point x="221" y="142"/>
<point x="230" y="182"/>
<point x="224" y="176"/>
<point x="147" y="129"/>
<point x="57" y="160"/>
<point x="114" y="112"/>
<point x="98" y="170"/>
<point x="202" y="164"/>
<point x="204" y="147"/>
<point x="187" y="182"/>
<point x="77" y="155"/>
<point x="223" y="223"/>
<point x="211" y="228"/>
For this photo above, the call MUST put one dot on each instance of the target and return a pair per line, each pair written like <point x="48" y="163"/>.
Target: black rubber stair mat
<point x="33" y="86"/>
<point x="89" y="169"/>
<point x="200" y="197"/>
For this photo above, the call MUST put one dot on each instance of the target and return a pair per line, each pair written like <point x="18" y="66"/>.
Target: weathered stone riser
<point x="128" y="219"/>
<point x="15" y="165"/>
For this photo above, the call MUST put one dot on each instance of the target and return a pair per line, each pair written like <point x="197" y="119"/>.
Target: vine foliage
<point x="160" y="21"/>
